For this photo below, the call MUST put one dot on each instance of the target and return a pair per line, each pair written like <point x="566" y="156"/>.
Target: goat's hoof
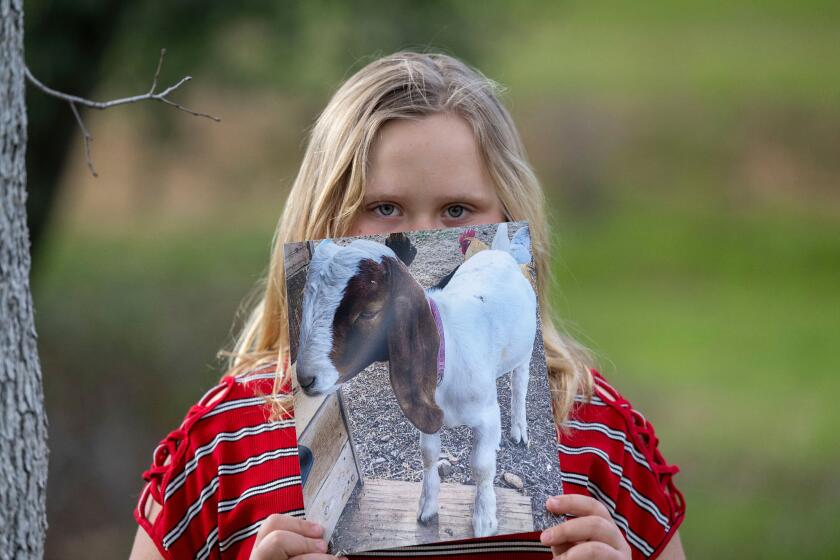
<point x="425" y="517"/>
<point x="428" y="510"/>
<point x="519" y="435"/>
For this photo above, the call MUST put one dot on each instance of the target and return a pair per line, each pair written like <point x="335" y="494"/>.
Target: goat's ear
<point x="324" y="251"/>
<point x="413" y="348"/>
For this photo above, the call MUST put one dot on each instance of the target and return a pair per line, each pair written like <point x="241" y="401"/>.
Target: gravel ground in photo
<point x="388" y="445"/>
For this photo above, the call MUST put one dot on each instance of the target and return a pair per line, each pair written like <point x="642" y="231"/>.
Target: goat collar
<point x="441" y="357"/>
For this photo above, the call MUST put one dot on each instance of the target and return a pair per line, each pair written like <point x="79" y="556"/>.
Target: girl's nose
<point x="424" y="222"/>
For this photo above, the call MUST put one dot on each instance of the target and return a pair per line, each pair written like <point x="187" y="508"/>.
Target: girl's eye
<point x="386" y="209"/>
<point x="455" y="211"/>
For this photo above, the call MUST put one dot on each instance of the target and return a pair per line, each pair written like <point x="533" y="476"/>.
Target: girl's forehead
<point x="432" y="158"/>
<point x="442" y="132"/>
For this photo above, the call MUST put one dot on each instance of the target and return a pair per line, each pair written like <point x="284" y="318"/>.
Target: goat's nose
<point x="305" y="381"/>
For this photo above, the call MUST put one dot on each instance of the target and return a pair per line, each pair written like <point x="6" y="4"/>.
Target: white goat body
<point x="488" y="310"/>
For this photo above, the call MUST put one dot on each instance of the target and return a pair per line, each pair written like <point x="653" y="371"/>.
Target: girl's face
<point x="426" y="174"/>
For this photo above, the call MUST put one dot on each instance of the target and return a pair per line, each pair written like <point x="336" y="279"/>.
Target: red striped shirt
<point x="230" y="467"/>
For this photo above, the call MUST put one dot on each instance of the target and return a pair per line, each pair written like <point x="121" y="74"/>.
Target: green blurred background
<point x="690" y="151"/>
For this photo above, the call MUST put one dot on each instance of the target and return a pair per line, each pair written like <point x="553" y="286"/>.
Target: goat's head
<point x="362" y="305"/>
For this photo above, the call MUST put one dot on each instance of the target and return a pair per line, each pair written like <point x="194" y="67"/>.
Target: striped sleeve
<point x="610" y="451"/>
<point x="221" y="473"/>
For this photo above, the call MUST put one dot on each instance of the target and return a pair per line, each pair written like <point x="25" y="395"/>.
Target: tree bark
<point x="23" y="422"/>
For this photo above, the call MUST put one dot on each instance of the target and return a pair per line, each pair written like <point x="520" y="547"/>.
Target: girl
<point x="410" y="142"/>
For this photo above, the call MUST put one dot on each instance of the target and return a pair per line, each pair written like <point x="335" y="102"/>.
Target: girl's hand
<point x="590" y="534"/>
<point x="282" y="537"/>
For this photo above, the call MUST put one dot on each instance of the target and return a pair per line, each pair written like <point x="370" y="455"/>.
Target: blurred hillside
<point x="690" y="154"/>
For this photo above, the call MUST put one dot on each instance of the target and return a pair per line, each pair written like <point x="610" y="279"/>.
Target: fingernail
<point x="554" y="501"/>
<point x="315" y="527"/>
<point x="321" y="546"/>
<point x="544" y="537"/>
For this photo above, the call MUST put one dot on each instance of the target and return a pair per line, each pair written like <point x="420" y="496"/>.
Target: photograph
<point x="421" y="387"/>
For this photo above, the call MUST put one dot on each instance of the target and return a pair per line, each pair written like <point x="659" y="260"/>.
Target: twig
<point x="88" y="138"/>
<point x="74" y="100"/>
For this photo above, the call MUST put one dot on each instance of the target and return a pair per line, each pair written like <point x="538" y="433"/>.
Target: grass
<point x="731" y="53"/>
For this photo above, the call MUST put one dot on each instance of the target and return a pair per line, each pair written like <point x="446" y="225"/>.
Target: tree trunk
<point x="23" y="423"/>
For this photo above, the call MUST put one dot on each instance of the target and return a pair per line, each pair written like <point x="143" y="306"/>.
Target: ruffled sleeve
<point x="183" y="481"/>
<point x="610" y="451"/>
<point x="222" y="472"/>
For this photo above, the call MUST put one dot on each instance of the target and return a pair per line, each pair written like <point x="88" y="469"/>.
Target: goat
<point x="446" y="347"/>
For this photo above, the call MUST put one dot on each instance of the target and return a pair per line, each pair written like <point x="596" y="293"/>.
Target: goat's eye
<point x="368" y="314"/>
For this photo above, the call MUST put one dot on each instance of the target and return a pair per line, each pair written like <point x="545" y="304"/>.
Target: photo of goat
<point x="429" y="344"/>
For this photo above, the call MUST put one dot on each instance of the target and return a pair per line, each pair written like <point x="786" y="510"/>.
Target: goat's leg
<point x="483" y="462"/>
<point x="430" y="448"/>
<point x="518" y="392"/>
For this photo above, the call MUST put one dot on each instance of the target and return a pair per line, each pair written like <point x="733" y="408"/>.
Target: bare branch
<point x="182" y="108"/>
<point x="157" y="72"/>
<point x="88" y="139"/>
<point x="74" y="100"/>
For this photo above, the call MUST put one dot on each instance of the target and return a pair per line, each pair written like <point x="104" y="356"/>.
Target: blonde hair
<point x="329" y="188"/>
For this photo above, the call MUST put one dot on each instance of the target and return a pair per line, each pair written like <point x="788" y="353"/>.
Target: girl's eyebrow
<point x="465" y="196"/>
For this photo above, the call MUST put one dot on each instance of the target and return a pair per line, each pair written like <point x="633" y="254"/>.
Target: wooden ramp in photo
<point x="368" y="514"/>
<point x="383" y="514"/>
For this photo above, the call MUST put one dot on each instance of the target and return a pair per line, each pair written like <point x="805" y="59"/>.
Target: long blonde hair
<point x="329" y="188"/>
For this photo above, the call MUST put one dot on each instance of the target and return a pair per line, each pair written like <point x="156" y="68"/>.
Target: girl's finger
<point x="591" y="551"/>
<point x="558" y="549"/>
<point x="579" y="529"/>
<point x="281" y="545"/>
<point x="279" y="522"/>
<point x="577" y="505"/>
